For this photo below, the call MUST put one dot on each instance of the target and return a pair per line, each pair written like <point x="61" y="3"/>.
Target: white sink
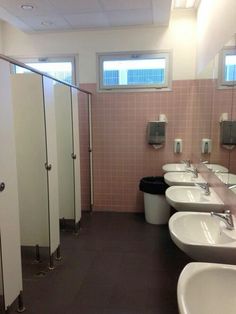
<point x="227" y="178"/>
<point x="174" y="167"/>
<point x="234" y="189"/>
<point x="203" y="237"/>
<point x="182" y="167"/>
<point x="192" y="198"/>
<point x="216" y="167"/>
<point x="182" y="178"/>
<point x="205" y="288"/>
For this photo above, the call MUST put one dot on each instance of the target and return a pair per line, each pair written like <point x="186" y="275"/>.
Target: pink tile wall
<point x="122" y="156"/>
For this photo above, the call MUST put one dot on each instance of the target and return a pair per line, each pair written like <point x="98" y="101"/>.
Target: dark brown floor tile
<point x="117" y="265"/>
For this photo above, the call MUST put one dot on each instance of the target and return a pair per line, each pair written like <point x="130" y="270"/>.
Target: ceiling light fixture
<point x="190" y="3"/>
<point x="27" y="7"/>
<point x="47" y="23"/>
<point x="185" y="4"/>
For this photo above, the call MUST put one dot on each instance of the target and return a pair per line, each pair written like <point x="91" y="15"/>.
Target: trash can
<point x="156" y="208"/>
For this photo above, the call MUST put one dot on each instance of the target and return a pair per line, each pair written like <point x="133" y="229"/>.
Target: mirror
<point x="202" y="92"/>
<point x="232" y="161"/>
<point x="224" y="109"/>
<point x="211" y="102"/>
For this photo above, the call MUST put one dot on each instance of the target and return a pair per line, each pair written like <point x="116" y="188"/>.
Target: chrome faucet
<point x="226" y="217"/>
<point x="194" y="171"/>
<point x="232" y="187"/>
<point x="187" y="162"/>
<point x="205" y="187"/>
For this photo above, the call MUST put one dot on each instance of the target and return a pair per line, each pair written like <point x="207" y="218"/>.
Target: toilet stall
<point x="39" y="170"/>
<point x="11" y="285"/>
<point x="36" y="159"/>
<point x="67" y="132"/>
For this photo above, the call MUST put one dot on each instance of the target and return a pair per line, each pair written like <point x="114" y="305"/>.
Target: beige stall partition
<point x="27" y="93"/>
<point x="76" y="152"/>
<point x="9" y="209"/>
<point x="64" y="150"/>
<point x="53" y="190"/>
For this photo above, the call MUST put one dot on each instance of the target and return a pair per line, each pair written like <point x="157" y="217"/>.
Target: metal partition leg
<point x="51" y="262"/>
<point x="21" y="307"/>
<point x="58" y="257"/>
<point x="37" y="254"/>
<point x="7" y="311"/>
<point x="63" y="224"/>
<point x="77" y="228"/>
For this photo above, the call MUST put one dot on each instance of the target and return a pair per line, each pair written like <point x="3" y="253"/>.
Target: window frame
<point x="114" y="56"/>
<point x="226" y="51"/>
<point x="51" y="59"/>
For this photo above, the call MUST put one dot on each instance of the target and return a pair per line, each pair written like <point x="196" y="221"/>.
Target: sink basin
<point x="182" y="167"/>
<point x="205" y="288"/>
<point x="227" y="178"/>
<point x="192" y="198"/>
<point x="234" y="189"/>
<point x="203" y="237"/>
<point x="182" y="178"/>
<point x="216" y="167"/>
<point x="174" y="167"/>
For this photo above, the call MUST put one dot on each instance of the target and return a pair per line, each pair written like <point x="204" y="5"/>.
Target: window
<point x="60" y="68"/>
<point x="134" y="70"/>
<point x="227" y="67"/>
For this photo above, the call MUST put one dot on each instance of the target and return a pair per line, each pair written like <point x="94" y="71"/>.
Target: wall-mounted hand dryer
<point x="228" y="132"/>
<point x="156" y="132"/>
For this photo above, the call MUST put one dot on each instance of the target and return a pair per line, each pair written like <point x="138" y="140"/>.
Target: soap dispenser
<point x="178" y="145"/>
<point x="206" y="146"/>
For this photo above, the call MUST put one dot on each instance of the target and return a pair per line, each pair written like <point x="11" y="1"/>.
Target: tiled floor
<point x="118" y="265"/>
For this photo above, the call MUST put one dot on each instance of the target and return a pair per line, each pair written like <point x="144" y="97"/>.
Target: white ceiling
<point x="53" y="15"/>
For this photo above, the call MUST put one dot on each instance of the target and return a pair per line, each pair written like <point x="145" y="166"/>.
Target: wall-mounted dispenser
<point x="156" y="133"/>
<point x="162" y="117"/>
<point x="228" y="133"/>
<point x="206" y="146"/>
<point x="224" y="116"/>
<point x="178" y="145"/>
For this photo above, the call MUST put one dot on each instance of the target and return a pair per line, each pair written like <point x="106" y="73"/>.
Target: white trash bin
<point x="156" y="208"/>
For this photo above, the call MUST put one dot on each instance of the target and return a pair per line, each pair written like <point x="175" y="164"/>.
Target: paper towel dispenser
<point x="228" y="132"/>
<point x="156" y="132"/>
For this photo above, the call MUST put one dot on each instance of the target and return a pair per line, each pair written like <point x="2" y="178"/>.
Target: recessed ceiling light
<point x="47" y="23"/>
<point x="27" y="7"/>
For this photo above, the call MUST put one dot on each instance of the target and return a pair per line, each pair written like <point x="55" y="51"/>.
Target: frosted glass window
<point x="117" y="71"/>
<point x="230" y="68"/>
<point x="227" y="67"/>
<point x="60" y="69"/>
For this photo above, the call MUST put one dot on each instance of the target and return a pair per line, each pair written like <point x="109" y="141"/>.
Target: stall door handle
<point x="48" y="166"/>
<point x="2" y="186"/>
